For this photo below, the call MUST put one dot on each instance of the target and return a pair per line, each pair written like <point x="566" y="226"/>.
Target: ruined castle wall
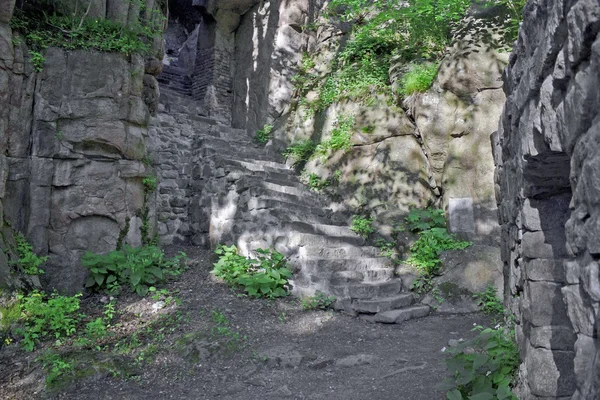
<point x="547" y="155"/>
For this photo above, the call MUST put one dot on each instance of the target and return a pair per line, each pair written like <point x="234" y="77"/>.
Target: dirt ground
<point x="219" y="344"/>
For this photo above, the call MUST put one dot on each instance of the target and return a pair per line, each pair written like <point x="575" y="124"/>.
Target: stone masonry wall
<point x="547" y="155"/>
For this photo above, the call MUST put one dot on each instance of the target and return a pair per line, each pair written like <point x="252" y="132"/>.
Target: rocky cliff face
<point x="548" y="169"/>
<point x="73" y="146"/>
<point x="435" y="150"/>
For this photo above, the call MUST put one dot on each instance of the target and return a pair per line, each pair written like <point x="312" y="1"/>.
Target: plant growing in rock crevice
<point x="29" y="263"/>
<point x="263" y="135"/>
<point x="430" y="225"/>
<point x="362" y="226"/>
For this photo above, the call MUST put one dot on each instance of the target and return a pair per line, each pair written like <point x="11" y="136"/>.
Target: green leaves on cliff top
<point x="42" y="31"/>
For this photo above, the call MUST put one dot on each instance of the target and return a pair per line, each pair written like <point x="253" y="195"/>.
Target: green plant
<point x="53" y="316"/>
<point x="425" y="251"/>
<point x="46" y="28"/>
<point x="38" y="60"/>
<point x="56" y="367"/>
<point x="418" y="78"/>
<point x="388" y="249"/>
<point x="318" y="302"/>
<point x="300" y="151"/>
<point x="362" y="226"/>
<point x="263" y="135"/>
<point x="28" y="261"/>
<point x="137" y="267"/>
<point x="484" y="367"/>
<point x="266" y="276"/>
<point x="316" y="183"/>
<point x="423" y="219"/>
<point x="422" y="284"/>
<point x="341" y="136"/>
<point x="489" y="302"/>
<point x="96" y="329"/>
<point x="150" y="184"/>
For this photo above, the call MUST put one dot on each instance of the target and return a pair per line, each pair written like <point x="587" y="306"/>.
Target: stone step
<point x="363" y="265"/>
<point x="260" y="165"/>
<point x="286" y="213"/>
<point x="368" y="290"/>
<point x="173" y="69"/>
<point x="403" y="314"/>
<point x="291" y="186"/>
<point x="216" y="146"/>
<point x="267" y="194"/>
<point x="310" y="252"/>
<point x="383" y="304"/>
<point x="296" y="239"/>
<point x="368" y="276"/>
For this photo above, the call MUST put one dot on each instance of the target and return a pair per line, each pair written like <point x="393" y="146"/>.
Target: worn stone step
<point x="323" y="229"/>
<point x="267" y="194"/>
<point x="382" y="304"/>
<point x="258" y="165"/>
<point x="403" y="314"/>
<point x="285" y="213"/>
<point x="368" y="290"/>
<point x="354" y="276"/>
<point x="363" y="264"/>
<point x="212" y="145"/>
<point x="291" y="186"/>
<point x="306" y="239"/>
<point x="310" y="252"/>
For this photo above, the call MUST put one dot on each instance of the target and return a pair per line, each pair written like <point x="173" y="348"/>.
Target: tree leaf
<point x="454" y="395"/>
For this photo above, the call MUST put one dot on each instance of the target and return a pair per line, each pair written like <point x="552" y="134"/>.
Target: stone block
<point x="582" y="316"/>
<point x="553" y="337"/>
<point x="544" y="244"/>
<point x="385" y="304"/>
<point x="460" y="211"/>
<point x="542" y="269"/>
<point x="586" y="367"/>
<point x="550" y="373"/>
<point x="545" y="304"/>
<point x="404" y="314"/>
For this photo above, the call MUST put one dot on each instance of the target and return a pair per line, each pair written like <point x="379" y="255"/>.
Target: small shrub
<point x="418" y="79"/>
<point x="426" y="250"/>
<point x="420" y="220"/>
<point x="38" y="60"/>
<point x="150" y="184"/>
<point x="265" y="276"/>
<point x="430" y="224"/>
<point x="489" y="302"/>
<point x="316" y="183"/>
<point x="300" y="151"/>
<point x="362" y="226"/>
<point x="388" y="249"/>
<point x="484" y="367"/>
<point x="28" y="261"/>
<point x="341" y="136"/>
<point x="263" y="135"/>
<point x="137" y="267"/>
<point x="318" y="302"/>
<point x="56" y="367"/>
<point x="55" y="316"/>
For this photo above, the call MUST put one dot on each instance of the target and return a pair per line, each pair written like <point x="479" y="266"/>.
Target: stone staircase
<point x="243" y="193"/>
<point x="175" y="79"/>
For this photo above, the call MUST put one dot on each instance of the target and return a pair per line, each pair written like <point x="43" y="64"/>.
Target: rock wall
<point x="73" y="151"/>
<point x="548" y="169"/>
<point x="433" y="148"/>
